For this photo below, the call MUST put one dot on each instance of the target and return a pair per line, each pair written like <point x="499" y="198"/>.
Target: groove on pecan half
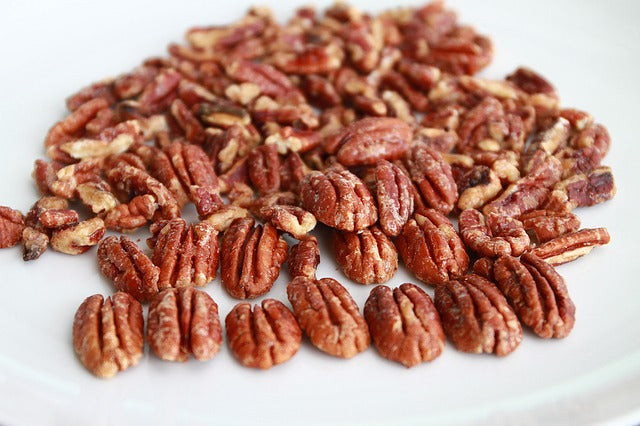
<point x="11" y="226"/>
<point x="494" y="235"/>
<point x="304" y="258"/>
<point x="568" y="247"/>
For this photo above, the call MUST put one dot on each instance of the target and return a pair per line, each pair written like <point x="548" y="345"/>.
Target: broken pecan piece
<point x="11" y="226"/>
<point x="568" y="247"/>
<point x="584" y="190"/>
<point x="77" y="239"/>
<point x="494" y="235"/>
<point x="545" y="225"/>
<point x="304" y="258"/>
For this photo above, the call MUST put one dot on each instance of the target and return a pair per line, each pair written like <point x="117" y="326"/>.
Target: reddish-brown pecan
<point x="288" y="139"/>
<point x="549" y="141"/>
<point x="191" y="127"/>
<point x="319" y="91"/>
<point x="537" y="294"/>
<point x="129" y="217"/>
<point x="477" y="317"/>
<point x="338" y="199"/>
<point x="35" y="236"/>
<point x="585" y="151"/>
<point x="431" y="248"/>
<point x="251" y="258"/>
<point x="58" y="218"/>
<point x="312" y="59"/>
<point x="68" y="178"/>
<point x="292" y="170"/>
<point x="158" y="95"/>
<point x="44" y="174"/>
<point x="368" y="140"/>
<point x="11" y="226"/>
<point x="568" y="247"/>
<point x="394" y="197"/>
<point x="584" y="189"/>
<point x="185" y="254"/>
<point x="421" y="75"/>
<point x="184" y="322"/>
<point x="366" y="257"/>
<point x="264" y="168"/>
<point x="440" y="140"/>
<point x="34" y="243"/>
<point x="545" y="225"/>
<point x="328" y="314"/>
<point x="271" y="81"/>
<point x="265" y="110"/>
<point x="226" y="147"/>
<point x="304" y="258"/>
<point x="128" y="267"/>
<point x="404" y="324"/>
<point x="396" y="81"/>
<point x="531" y="82"/>
<point x="76" y="239"/>
<point x="99" y="90"/>
<point x="493" y="235"/>
<point x="108" y="334"/>
<point x="263" y="337"/>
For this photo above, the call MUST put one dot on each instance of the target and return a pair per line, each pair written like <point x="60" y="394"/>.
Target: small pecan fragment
<point x="263" y="337"/>
<point x="251" y="258"/>
<point x="568" y="247"/>
<point x="184" y="322"/>
<point x="304" y="258"/>
<point x="108" y="334"/>
<point x="185" y="254"/>
<point x="328" y="314"/>
<point x="11" y="226"/>
<point x="476" y="187"/>
<point x="545" y="225"/>
<point x="34" y="243"/>
<point x="393" y="195"/>
<point x="404" y="324"/>
<point x="128" y="267"/>
<point x="58" y="218"/>
<point x="293" y="220"/>
<point x="477" y="317"/>
<point x="366" y="257"/>
<point x="97" y="196"/>
<point x="222" y="218"/>
<point x="77" y="239"/>
<point x="537" y="294"/>
<point x="494" y="235"/>
<point x="431" y="248"/>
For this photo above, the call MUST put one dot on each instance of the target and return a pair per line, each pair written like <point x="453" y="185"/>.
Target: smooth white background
<point x="588" y="49"/>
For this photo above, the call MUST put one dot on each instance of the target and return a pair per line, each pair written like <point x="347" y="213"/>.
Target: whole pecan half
<point x="404" y="324"/>
<point x="477" y="317"/>
<point x="77" y="239"/>
<point x="11" y="226"/>
<point x="494" y="236"/>
<point x="584" y="189"/>
<point x="108" y="334"/>
<point x="265" y="336"/>
<point x="366" y="257"/>
<point x="568" y="247"/>
<point x="537" y="294"/>
<point x="545" y="225"/>
<point x="394" y="197"/>
<point x="431" y="248"/>
<point x="128" y="267"/>
<point x="304" y="258"/>
<point x="251" y="258"/>
<point x="264" y="168"/>
<point x="328" y="314"/>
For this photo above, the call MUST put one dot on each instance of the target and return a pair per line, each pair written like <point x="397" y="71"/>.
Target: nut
<point x="394" y="197"/>
<point x="77" y="239"/>
<point x="304" y="258"/>
<point x="34" y="243"/>
<point x="494" y="236"/>
<point x="568" y="247"/>
<point x="222" y="219"/>
<point x="545" y="225"/>
<point x="477" y="187"/>
<point x="11" y="226"/>
<point x="264" y="169"/>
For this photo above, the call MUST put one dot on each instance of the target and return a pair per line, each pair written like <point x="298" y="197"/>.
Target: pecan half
<point x="263" y="337"/>
<point x="545" y="225"/>
<point x="404" y="324"/>
<point x="584" y="189"/>
<point x="304" y="258"/>
<point x="328" y="314"/>
<point x="11" y="226"/>
<point x="394" y="197"/>
<point x="494" y="236"/>
<point x="568" y="247"/>
<point x="77" y="239"/>
<point x="264" y="168"/>
<point x="108" y="334"/>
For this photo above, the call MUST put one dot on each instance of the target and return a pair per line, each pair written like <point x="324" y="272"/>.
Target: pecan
<point x="34" y="243"/>
<point x="44" y="174"/>
<point x="99" y="90"/>
<point x="476" y="187"/>
<point x="111" y="141"/>
<point x="394" y="197"/>
<point x="129" y="217"/>
<point x="319" y="91"/>
<point x="185" y="254"/>
<point x="545" y="225"/>
<point x="222" y="113"/>
<point x="568" y="247"/>
<point x="242" y="93"/>
<point x="366" y="257"/>
<point x="35" y="236"/>
<point x="404" y="324"/>
<point x="293" y="220"/>
<point x="265" y="110"/>
<point x="397" y="82"/>
<point x="128" y="267"/>
<point x="338" y="199"/>
<point x="264" y="168"/>
<point x="77" y="239"/>
<point x="583" y="190"/>
<point x="494" y="235"/>
<point x="431" y="248"/>
<point x="549" y="141"/>
<point x="477" y="317"/>
<point x="226" y="147"/>
<point x="251" y="258"/>
<point x="97" y="196"/>
<point x="398" y="107"/>
<point x="263" y="337"/>
<point x="271" y="81"/>
<point x="437" y="139"/>
<point x="108" y="334"/>
<point x="11" y="226"/>
<point x="222" y="218"/>
<point x="58" y="218"/>
<point x="292" y="170"/>
<point x="328" y="314"/>
<point x="68" y="178"/>
<point x="295" y="140"/>
<point x="184" y="322"/>
<point x="187" y="121"/>
<point x="313" y="59"/>
<point x="161" y="92"/>
<point x="304" y="258"/>
<point x="537" y="294"/>
<point x="531" y="82"/>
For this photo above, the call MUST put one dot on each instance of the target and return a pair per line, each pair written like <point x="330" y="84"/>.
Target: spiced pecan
<point x="304" y="258"/>
<point x="476" y="187"/>
<point x="493" y="235"/>
<point x="476" y="316"/>
<point x="76" y="239"/>
<point x="264" y="168"/>
<point x="69" y="177"/>
<point x="263" y="337"/>
<point x="394" y="197"/>
<point x="404" y="324"/>
<point x="222" y="218"/>
<point x="531" y="82"/>
<point x="292" y="170"/>
<point x="288" y="138"/>
<point x="11" y="226"/>
<point x="293" y="220"/>
<point x="271" y="81"/>
<point x="251" y="258"/>
<point x="568" y="247"/>
<point x="438" y="139"/>
<point x="545" y="225"/>
<point x="329" y="316"/>
<point x="97" y="196"/>
<point x="108" y="334"/>
<point x="34" y="243"/>
<point x="58" y="218"/>
<point x="584" y="189"/>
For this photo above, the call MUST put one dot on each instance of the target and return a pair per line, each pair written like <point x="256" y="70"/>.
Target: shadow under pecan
<point x="404" y="324"/>
<point x="392" y="190"/>
<point x="304" y="258"/>
<point x="108" y="334"/>
<point x="545" y="225"/>
<point x="493" y="235"/>
<point x="11" y="226"/>
<point x="184" y="322"/>
<point x="263" y="337"/>
<point x="568" y="247"/>
<point x="476" y="316"/>
<point x="328" y="314"/>
<point x="251" y="258"/>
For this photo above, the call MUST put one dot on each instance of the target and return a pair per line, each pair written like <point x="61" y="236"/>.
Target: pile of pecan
<point x="371" y="128"/>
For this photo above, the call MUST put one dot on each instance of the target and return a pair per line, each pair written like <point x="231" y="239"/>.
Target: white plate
<point x="589" y="50"/>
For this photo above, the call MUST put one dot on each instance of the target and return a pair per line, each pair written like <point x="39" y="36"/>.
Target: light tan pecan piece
<point x="264" y="169"/>
<point x="77" y="239"/>
<point x="477" y="187"/>
<point x="185" y="254"/>
<point x="431" y="248"/>
<point x="537" y="294"/>
<point x="328" y="314"/>
<point x="476" y="316"/>
<point x="183" y="322"/>
<point x="493" y="235"/>
<point x="222" y="218"/>
<point x="251" y="258"/>
<point x="366" y="257"/>
<point x="545" y="225"/>
<point x="304" y="258"/>
<point x="263" y="337"/>
<point x="271" y="81"/>
<point x="338" y="199"/>
<point x="97" y="196"/>
<point x="293" y="220"/>
<point x="404" y="324"/>
<point x="11" y="226"/>
<point x="128" y="267"/>
<point x="392" y="190"/>
<point x="108" y="334"/>
<point x="69" y="177"/>
<point x="34" y="243"/>
<point x="568" y="247"/>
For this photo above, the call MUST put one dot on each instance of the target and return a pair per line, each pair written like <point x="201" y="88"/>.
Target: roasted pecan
<point x="110" y="141"/>
<point x="34" y="243"/>
<point x="263" y="337"/>
<point x="161" y="92"/>
<point x="494" y="235"/>
<point x="97" y="196"/>
<point x="264" y="168"/>
<point x="477" y="317"/>
<point x="68" y="178"/>
<point x="319" y="91"/>
<point x="568" y="247"/>
<point x="537" y="294"/>
<point x="108" y="334"/>
<point x="398" y="107"/>
<point x="584" y="189"/>
<point x="288" y="139"/>
<point x="222" y="218"/>
<point x="328" y="314"/>
<point x="549" y="141"/>
<point x="271" y="81"/>
<point x="265" y="110"/>
<point x="531" y="82"/>
<point x="128" y="267"/>
<point x="431" y="248"/>
<point x="226" y="147"/>
<point x="477" y="186"/>
<point x="11" y="226"/>
<point x="440" y="140"/>
<point x="366" y="257"/>
<point x="545" y="225"/>
<point x="129" y="217"/>
<point x="585" y="151"/>
<point x="58" y="218"/>
<point x="251" y="258"/>
<point x="77" y="239"/>
<point x="292" y="170"/>
<point x="304" y="258"/>
<point x="394" y="197"/>
<point x="293" y="220"/>
<point x="404" y="324"/>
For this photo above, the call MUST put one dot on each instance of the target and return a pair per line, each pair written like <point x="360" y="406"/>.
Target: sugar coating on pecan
<point x="545" y="225"/>
<point x="11" y="226"/>
<point x="568" y="247"/>
<point x="394" y="197"/>
<point x="493" y="235"/>
<point x="304" y="258"/>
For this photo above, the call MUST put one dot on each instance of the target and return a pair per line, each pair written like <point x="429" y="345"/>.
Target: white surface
<point x="589" y="50"/>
